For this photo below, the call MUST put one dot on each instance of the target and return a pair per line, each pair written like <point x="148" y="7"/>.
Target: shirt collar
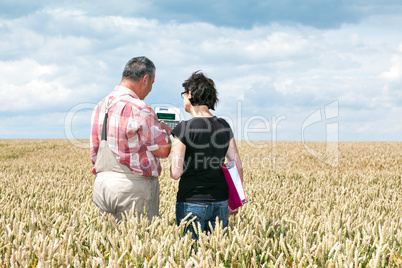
<point x="119" y="90"/>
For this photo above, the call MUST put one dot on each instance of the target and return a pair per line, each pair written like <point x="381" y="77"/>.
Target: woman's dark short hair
<point x="138" y="67"/>
<point x="203" y="91"/>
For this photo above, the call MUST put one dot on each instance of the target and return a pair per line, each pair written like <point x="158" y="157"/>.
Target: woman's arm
<point x="178" y="152"/>
<point x="233" y="154"/>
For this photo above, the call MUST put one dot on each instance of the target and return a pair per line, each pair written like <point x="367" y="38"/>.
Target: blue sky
<point x="285" y="70"/>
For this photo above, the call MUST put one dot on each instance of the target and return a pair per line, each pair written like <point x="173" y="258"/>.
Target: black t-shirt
<point x="207" y="141"/>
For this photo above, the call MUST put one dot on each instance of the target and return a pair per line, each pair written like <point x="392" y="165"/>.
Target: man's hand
<point x="165" y="127"/>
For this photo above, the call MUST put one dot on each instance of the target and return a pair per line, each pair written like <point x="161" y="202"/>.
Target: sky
<point x="312" y="70"/>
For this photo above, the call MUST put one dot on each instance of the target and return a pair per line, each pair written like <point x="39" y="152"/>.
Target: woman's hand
<point x="233" y="212"/>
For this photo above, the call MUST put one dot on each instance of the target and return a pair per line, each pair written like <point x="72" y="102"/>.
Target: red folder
<point x="237" y="196"/>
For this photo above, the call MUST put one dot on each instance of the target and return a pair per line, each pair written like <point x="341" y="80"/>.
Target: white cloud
<point x="392" y="89"/>
<point x="394" y="74"/>
<point x="24" y="86"/>
<point x="27" y="85"/>
<point x="277" y="44"/>
<point x="54" y="59"/>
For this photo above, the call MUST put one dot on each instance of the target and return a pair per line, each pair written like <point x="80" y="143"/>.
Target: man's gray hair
<point x="138" y="67"/>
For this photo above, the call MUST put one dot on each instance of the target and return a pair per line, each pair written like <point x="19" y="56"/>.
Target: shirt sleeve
<point x="230" y="130"/>
<point x="178" y="132"/>
<point x="227" y="126"/>
<point x="150" y="132"/>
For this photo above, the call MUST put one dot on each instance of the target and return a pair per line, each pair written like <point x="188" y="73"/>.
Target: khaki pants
<point x="118" y="193"/>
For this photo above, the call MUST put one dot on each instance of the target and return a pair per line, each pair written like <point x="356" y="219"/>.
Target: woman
<point x="199" y="149"/>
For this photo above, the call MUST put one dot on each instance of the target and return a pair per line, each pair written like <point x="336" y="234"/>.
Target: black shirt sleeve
<point x="226" y="124"/>
<point x="178" y="131"/>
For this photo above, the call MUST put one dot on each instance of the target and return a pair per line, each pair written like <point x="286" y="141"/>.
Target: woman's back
<point x="207" y="140"/>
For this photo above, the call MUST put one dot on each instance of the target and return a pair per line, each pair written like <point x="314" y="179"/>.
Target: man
<point x="127" y="141"/>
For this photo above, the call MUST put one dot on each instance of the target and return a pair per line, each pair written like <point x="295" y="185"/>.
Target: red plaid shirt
<point x="133" y="132"/>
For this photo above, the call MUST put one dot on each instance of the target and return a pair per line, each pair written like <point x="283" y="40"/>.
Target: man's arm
<point x="164" y="151"/>
<point x="153" y="134"/>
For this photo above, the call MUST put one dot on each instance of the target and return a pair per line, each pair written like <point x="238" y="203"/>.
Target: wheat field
<point x="308" y="206"/>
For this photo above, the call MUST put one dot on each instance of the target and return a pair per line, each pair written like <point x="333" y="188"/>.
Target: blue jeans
<point x="202" y="213"/>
